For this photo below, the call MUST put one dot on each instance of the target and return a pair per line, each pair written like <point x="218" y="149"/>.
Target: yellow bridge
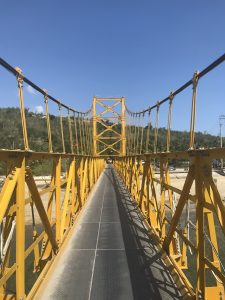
<point x="112" y="221"/>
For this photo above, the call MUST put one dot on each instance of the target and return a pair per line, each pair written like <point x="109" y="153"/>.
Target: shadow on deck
<point x="150" y="278"/>
<point x="110" y="255"/>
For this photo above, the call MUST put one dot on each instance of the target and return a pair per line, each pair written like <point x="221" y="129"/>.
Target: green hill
<point x="11" y="133"/>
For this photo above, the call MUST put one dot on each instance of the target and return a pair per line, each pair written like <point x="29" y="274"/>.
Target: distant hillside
<point x="180" y="140"/>
<point x="11" y="133"/>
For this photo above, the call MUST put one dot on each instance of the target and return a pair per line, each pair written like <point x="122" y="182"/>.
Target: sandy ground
<point x="177" y="180"/>
<point x="42" y="182"/>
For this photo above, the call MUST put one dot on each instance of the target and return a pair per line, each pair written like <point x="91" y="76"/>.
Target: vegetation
<point x="180" y="140"/>
<point x="11" y="136"/>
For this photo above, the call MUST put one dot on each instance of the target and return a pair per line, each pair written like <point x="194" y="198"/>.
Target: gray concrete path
<point x="111" y="255"/>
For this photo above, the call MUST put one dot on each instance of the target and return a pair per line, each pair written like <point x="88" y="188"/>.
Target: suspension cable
<point x="156" y="128"/>
<point x="87" y="136"/>
<point x="129" y="145"/>
<point x="201" y="74"/>
<point x="133" y="135"/>
<point x="17" y="72"/>
<point x="83" y="134"/>
<point x="169" y="123"/>
<point x="193" y="111"/>
<point x="138" y="131"/>
<point x="76" y="135"/>
<point x="142" y="131"/>
<point x="48" y="123"/>
<point x="135" y="130"/>
<point x="61" y="128"/>
<point x="70" y="132"/>
<point x="148" y="133"/>
<point x="20" y="80"/>
<point x="80" y="135"/>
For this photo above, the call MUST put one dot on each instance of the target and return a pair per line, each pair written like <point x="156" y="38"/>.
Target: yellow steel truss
<point x="102" y="145"/>
<point x="138" y="175"/>
<point x="56" y="206"/>
<point x="161" y="213"/>
<point x="67" y="191"/>
<point x="83" y="172"/>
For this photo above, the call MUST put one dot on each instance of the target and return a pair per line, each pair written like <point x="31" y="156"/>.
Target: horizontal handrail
<point x="169" y="210"/>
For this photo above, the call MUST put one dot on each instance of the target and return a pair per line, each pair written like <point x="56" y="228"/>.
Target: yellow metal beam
<point x="20" y="233"/>
<point x="119" y="137"/>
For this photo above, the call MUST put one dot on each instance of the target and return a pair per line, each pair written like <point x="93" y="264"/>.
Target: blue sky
<point x="138" y="49"/>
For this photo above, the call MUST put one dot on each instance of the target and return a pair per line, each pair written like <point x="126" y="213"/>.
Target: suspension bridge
<point x="111" y="221"/>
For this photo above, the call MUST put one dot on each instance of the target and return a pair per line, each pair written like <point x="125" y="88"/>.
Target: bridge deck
<point x="110" y="254"/>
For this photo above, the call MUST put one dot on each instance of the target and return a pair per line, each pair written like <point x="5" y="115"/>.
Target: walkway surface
<point x="111" y="255"/>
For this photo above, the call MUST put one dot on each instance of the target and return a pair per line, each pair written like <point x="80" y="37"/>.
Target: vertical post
<point x="20" y="233"/>
<point x="22" y="109"/>
<point x="80" y="135"/>
<point x="128" y="144"/>
<point x="70" y="132"/>
<point x="156" y="128"/>
<point x="123" y="128"/>
<point x="162" y="200"/>
<point x="94" y="128"/>
<point x="91" y="172"/>
<point x="221" y="144"/>
<point x="221" y="118"/>
<point x="193" y="111"/>
<point x="169" y="123"/>
<point x="76" y="135"/>
<point x="142" y="131"/>
<point x="138" y="130"/>
<point x="48" y="123"/>
<point x="135" y="131"/>
<point x="199" y="186"/>
<point x="90" y="131"/>
<point x="148" y="132"/>
<point x="89" y="135"/>
<point x="128" y="126"/>
<point x="132" y="133"/>
<point x="58" y="197"/>
<point x="85" y="134"/>
<point x="61" y="127"/>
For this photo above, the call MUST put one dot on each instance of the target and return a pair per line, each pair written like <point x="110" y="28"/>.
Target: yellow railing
<point x="36" y="213"/>
<point x="164" y="216"/>
<point x="188" y="221"/>
<point x="155" y="194"/>
<point x="54" y="209"/>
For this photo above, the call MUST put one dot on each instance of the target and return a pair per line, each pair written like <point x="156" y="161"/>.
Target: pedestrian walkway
<point x="110" y="255"/>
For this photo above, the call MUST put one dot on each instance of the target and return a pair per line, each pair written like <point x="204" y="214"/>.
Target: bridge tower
<point x="109" y="136"/>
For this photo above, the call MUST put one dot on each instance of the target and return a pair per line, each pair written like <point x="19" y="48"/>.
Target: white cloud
<point x="31" y="90"/>
<point x="39" y="109"/>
